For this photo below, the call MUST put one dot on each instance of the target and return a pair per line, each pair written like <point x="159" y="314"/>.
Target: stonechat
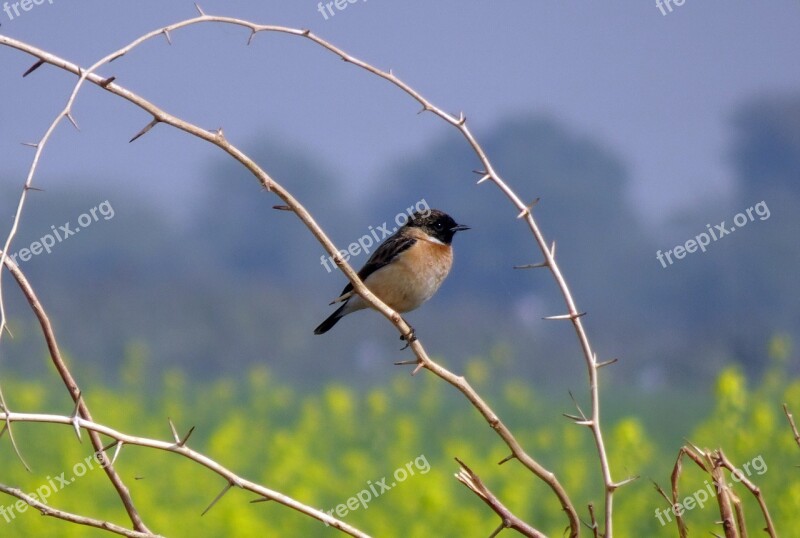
<point x="406" y="269"/>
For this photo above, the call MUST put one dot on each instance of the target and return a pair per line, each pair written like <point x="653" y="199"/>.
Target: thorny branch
<point x="175" y="447"/>
<point x="488" y="174"/>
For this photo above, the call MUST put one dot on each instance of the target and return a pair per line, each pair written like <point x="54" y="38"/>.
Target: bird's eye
<point x="438" y="226"/>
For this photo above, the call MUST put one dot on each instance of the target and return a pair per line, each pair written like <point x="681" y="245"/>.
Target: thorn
<point x="558" y="318"/>
<point x="425" y="108"/>
<point x="577" y="406"/>
<point x="588" y="423"/>
<point x="307" y="33"/>
<point x="260" y="500"/>
<point x="624" y="482"/>
<point x="30" y="144"/>
<point x="606" y="363"/>
<point x="498" y="530"/>
<point x="33" y="68"/>
<point x="72" y="120"/>
<point x="116" y="453"/>
<point x="506" y="459"/>
<point x="480" y="172"/>
<point x="566" y="316"/>
<point x="462" y="119"/>
<point x="147" y="127"/>
<point x="533" y="204"/>
<point x="553" y="250"/>
<point x="406" y="363"/>
<point x="174" y="431"/>
<point x="108" y="81"/>
<point x="524" y="213"/>
<point x="419" y="367"/>
<point x="186" y="437"/>
<point x="250" y="38"/>
<point x="283" y="208"/>
<point x="199" y="10"/>
<point x="576" y="418"/>
<point x="222" y="493"/>
<point x="219" y="133"/>
<point x="533" y="265"/>
<point x="31" y="188"/>
<point x="166" y="35"/>
<point x="7" y="426"/>
<point x="117" y="56"/>
<point x="74" y="416"/>
<point x="484" y="178"/>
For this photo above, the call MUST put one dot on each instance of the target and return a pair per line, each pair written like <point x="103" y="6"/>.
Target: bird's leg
<point x="408" y="338"/>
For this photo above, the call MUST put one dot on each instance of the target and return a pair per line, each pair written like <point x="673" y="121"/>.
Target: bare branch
<point x="509" y="521"/>
<point x="47" y="510"/>
<point x="205" y="461"/>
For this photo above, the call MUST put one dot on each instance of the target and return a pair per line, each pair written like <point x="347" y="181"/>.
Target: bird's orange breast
<point x="413" y="277"/>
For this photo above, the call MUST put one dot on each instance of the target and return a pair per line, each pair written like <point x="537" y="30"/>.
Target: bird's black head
<point x="437" y="224"/>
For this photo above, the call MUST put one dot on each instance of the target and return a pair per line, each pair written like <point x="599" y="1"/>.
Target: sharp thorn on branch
<point x="30" y="144"/>
<point x="225" y="490"/>
<point x="144" y="131"/>
<point x="251" y="36"/>
<point x="506" y="459"/>
<point x="419" y="367"/>
<point x="183" y="441"/>
<point x="282" y="207"/>
<point x="72" y="120"/>
<point x="553" y="250"/>
<point x="199" y="9"/>
<point x="116" y="453"/>
<point x="406" y="363"/>
<point x="484" y="178"/>
<point x="33" y="68"/>
<point x="117" y="56"/>
<point x="524" y="213"/>
<point x="260" y="500"/>
<point x="532" y="265"/>
<point x="174" y="430"/>
<point x="533" y="204"/>
<point x="32" y="188"/>
<point x="606" y="363"/>
<point x="108" y="81"/>
<point x="560" y="317"/>
<point x="167" y="36"/>
<point x="498" y="530"/>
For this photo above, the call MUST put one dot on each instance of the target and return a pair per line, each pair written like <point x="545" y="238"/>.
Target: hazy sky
<point x="657" y="90"/>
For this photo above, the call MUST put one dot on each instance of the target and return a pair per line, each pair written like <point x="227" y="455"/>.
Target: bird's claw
<point x="408" y="338"/>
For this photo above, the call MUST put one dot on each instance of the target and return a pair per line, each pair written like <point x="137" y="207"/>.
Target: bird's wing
<point x="388" y="251"/>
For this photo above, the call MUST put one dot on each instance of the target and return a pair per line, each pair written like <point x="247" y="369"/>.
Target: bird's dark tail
<point x="326" y="325"/>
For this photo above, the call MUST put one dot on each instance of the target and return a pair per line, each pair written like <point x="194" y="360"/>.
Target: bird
<point x="406" y="270"/>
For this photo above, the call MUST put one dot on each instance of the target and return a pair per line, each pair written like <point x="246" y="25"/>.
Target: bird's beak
<point x="459" y="228"/>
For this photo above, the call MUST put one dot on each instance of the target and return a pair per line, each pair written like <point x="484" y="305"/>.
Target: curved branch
<point x="183" y="450"/>
<point x="74" y="518"/>
<point x="424" y="360"/>
<point x="72" y="387"/>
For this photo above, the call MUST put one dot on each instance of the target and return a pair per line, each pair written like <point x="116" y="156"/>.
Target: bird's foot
<point x="408" y="338"/>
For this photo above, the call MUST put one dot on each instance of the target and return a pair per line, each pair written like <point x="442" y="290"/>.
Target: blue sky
<point x="656" y="90"/>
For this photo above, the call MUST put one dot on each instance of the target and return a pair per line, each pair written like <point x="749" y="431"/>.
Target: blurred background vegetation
<point x="206" y="317"/>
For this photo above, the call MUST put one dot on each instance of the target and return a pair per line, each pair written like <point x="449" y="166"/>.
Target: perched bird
<point x="407" y="269"/>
